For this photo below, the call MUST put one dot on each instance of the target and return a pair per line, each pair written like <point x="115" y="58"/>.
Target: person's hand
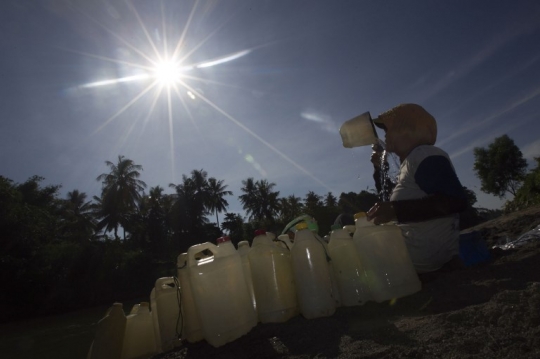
<point x="381" y="212"/>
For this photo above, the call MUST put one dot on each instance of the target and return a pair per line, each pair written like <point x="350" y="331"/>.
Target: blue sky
<point x="288" y="74"/>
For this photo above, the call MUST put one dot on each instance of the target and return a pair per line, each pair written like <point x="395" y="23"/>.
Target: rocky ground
<point x="486" y="311"/>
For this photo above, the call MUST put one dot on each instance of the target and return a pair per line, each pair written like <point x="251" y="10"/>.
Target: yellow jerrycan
<point x="243" y="250"/>
<point x="192" y="328"/>
<point x="109" y="339"/>
<point x="311" y="275"/>
<point x="382" y="251"/>
<point x="139" y="339"/>
<point x="220" y="291"/>
<point x="348" y="268"/>
<point x="168" y="312"/>
<point x="273" y="281"/>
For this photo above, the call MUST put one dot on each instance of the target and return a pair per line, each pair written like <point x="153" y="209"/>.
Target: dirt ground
<point x="487" y="311"/>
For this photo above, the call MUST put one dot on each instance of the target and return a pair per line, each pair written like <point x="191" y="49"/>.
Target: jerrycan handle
<point x="198" y="248"/>
<point x="165" y="284"/>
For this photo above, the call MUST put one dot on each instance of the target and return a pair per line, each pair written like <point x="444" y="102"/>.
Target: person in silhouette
<point x="428" y="196"/>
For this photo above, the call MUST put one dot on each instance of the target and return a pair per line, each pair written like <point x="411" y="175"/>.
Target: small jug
<point x="358" y="131"/>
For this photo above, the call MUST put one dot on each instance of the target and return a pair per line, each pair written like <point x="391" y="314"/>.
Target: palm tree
<point x="121" y="190"/>
<point x="216" y="201"/>
<point x="290" y="207"/>
<point x="259" y="200"/>
<point x="77" y="215"/>
<point x="191" y="203"/>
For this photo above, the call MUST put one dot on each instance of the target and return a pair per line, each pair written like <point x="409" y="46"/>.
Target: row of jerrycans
<point x="149" y="328"/>
<point x="225" y="291"/>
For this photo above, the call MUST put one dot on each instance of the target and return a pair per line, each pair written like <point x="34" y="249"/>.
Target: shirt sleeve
<point x="435" y="175"/>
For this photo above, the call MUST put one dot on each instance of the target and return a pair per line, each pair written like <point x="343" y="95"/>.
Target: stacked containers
<point x="220" y="291"/>
<point x="311" y="275"/>
<point x="139" y="339"/>
<point x="273" y="281"/>
<point x="109" y="338"/>
<point x="348" y="268"/>
<point x="382" y="251"/>
<point x="168" y="312"/>
<point x="243" y="250"/>
<point x="192" y="328"/>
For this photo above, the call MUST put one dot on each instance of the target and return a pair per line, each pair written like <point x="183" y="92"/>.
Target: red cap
<point x="223" y="239"/>
<point x="260" y="232"/>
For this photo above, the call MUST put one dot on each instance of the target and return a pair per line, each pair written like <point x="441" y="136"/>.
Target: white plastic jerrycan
<point x="109" y="338"/>
<point x="139" y="339"/>
<point x="382" y="251"/>
<point x="220" y="291"/>
<point x="243" y="250"/>
<point x="284" y="241"/>
<point x="155" y="319"/>
<point x="358" y="131"/>
<point x="311" y="275"/>
<point x="348" y="269"/>
<point x="192" y="329"/>
<point x="168" y="312"/>
<point x="273" y="280"/>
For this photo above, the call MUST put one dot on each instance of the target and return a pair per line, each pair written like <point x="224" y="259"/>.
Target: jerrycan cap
<point x="359" y="215"/>
<point x="260" y="232"/>
<point x="301" y="225"/>
<point x="223" y="239"/>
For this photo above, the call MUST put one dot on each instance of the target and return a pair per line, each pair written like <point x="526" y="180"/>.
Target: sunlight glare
<point x="167" y="73"/>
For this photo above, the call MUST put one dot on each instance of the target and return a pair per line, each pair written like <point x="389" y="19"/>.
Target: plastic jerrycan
<point x="168" y="310"/>
<point x="311" y="275"/>
<point x="192" y="327"/>
<point x="155" y="319"/>
<point x="109" y="338"/>
<point x="220" y="291"/>
<point x="243" y="250"/>
<point x="273" y="280"/>
<point x="284" y="241"/>
<point x="382" y="250"/>
<point x="139" y="339"/>
<point x="348" y="269"/>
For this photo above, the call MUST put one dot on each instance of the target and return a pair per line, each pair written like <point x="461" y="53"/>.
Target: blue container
<point x="473" y="249"/>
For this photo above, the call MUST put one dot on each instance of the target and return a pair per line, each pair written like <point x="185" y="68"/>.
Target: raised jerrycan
<point x="168" y="312"/>
<point x="192" y="328"/>
<point x="348" y="268"/>
<point x="139" y="339"/>
<point x="358" y="131"/>
<point x="388" y="266"/>
<point x="109" y="338"/>
<point x="243" y="250"/>
<point x="273" y="281"/>
<point x="220" y="291"/>
<point x="311" y="275"/>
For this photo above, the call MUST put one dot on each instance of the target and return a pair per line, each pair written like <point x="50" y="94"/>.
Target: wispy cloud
<point x="531" y="150"/>
<point x="483" y="54"/>
<point x="325" y="122"/>
<point x="479" y="122"/>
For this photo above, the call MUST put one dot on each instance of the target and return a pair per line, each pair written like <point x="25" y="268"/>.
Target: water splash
<point x="386" y="172"/>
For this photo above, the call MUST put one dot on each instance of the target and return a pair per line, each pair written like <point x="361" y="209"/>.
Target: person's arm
<point x="445" y="195"/>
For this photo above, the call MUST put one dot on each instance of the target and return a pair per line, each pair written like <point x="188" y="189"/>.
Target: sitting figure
<point x="428" y="196"/>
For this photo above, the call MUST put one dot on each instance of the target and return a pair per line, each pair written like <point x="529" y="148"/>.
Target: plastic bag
<point x="532" y="235"/>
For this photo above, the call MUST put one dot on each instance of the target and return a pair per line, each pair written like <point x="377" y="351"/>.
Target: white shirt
<point x="434" y="242"/>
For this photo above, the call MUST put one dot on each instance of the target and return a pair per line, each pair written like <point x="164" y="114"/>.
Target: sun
<point x="167" y="72"/>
